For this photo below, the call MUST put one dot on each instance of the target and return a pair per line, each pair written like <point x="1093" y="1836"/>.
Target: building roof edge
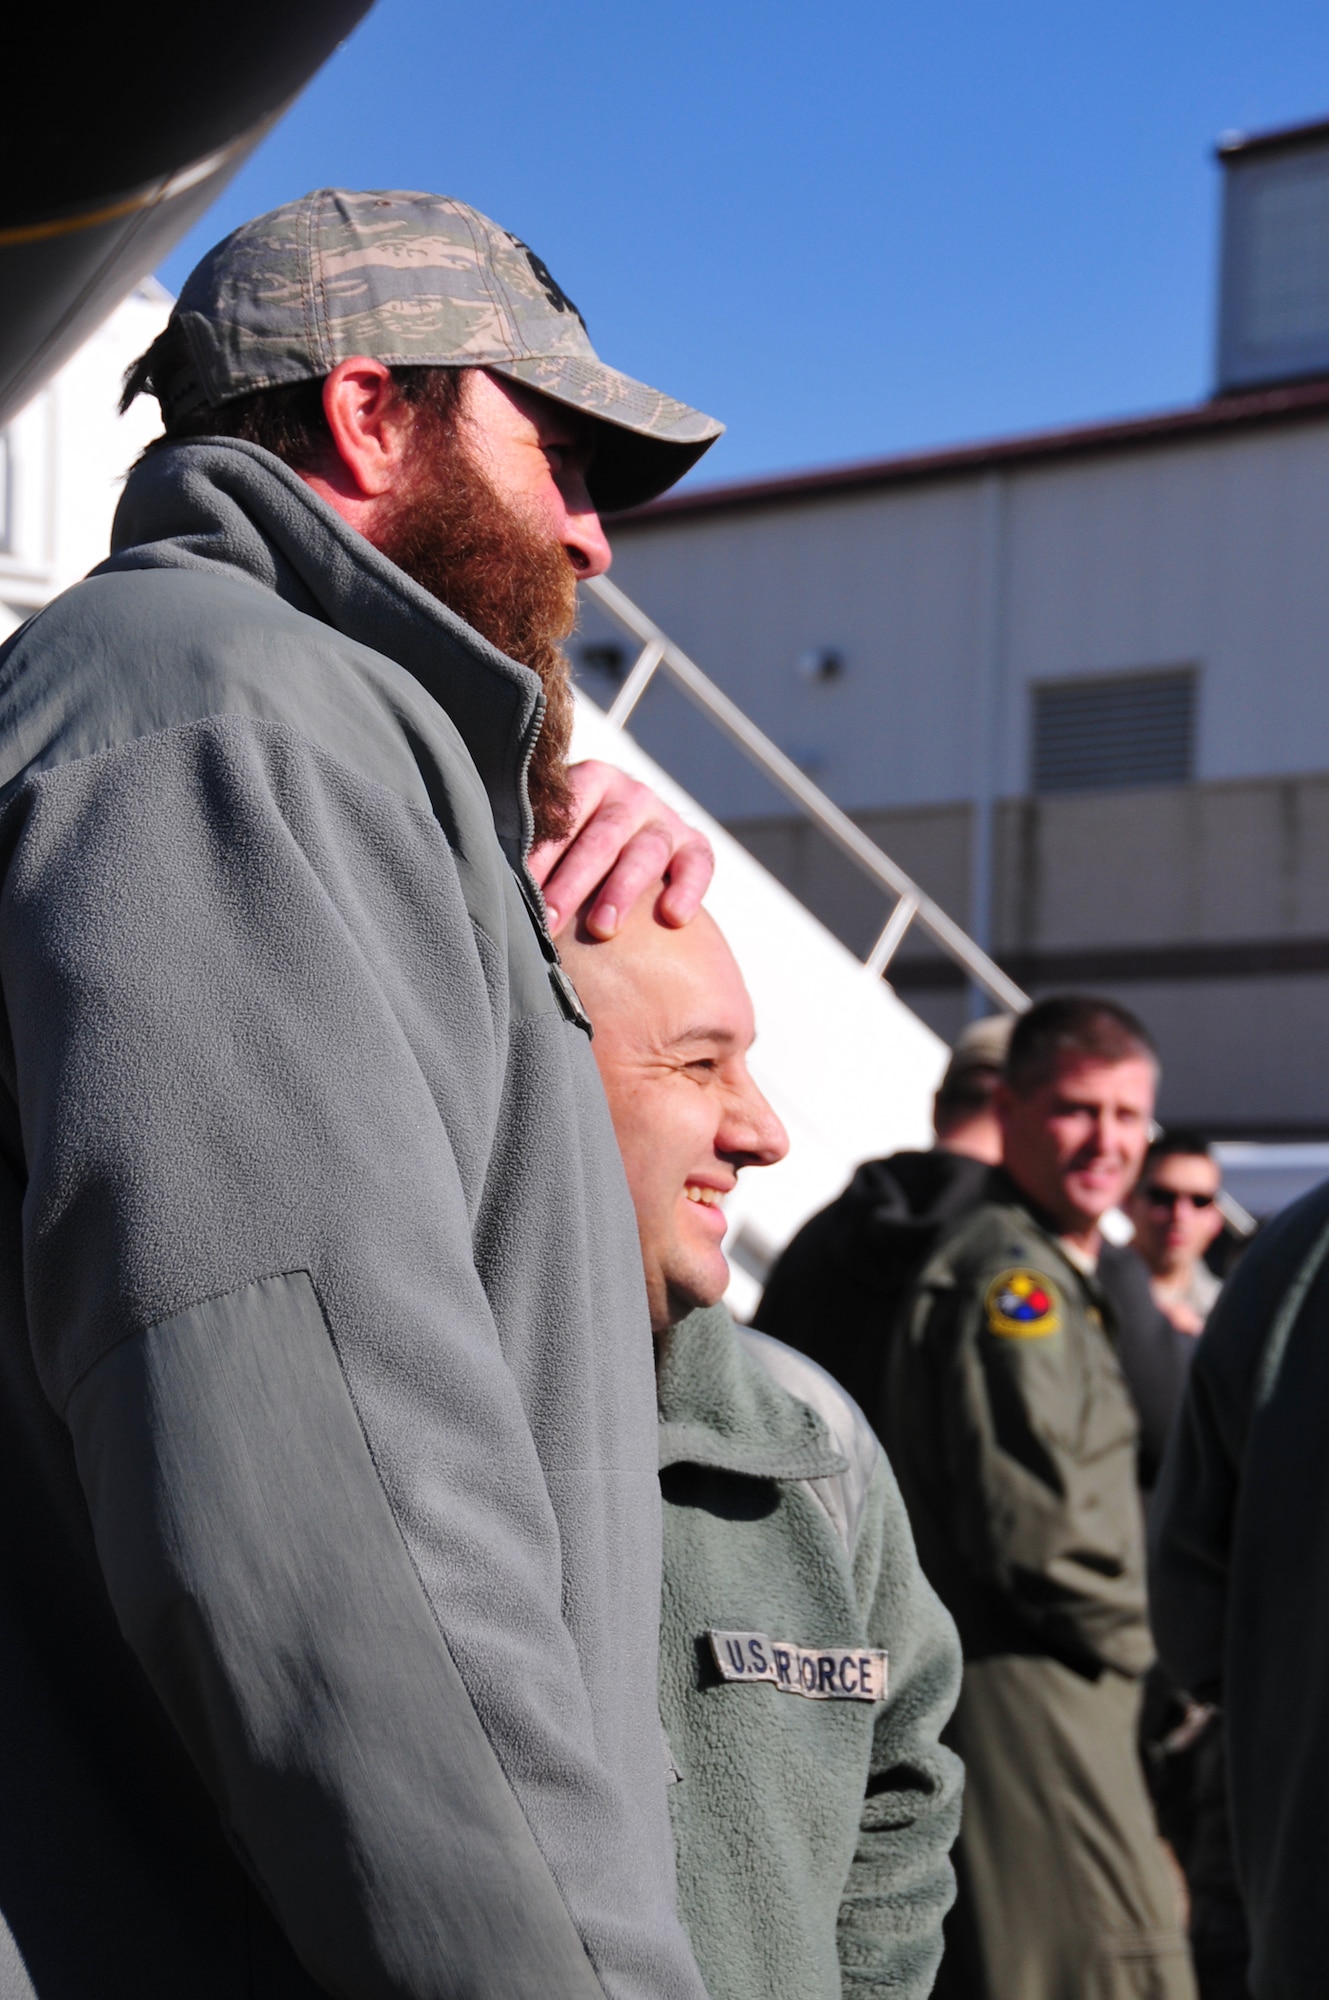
<point x="1282" y="139"/>
<point x="1286" y="402"/>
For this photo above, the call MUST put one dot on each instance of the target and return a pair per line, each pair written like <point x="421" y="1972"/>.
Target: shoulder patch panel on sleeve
<point x="1022" y="1305"/>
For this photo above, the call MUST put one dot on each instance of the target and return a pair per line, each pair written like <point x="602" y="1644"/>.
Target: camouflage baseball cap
<point x="412" y="280"/>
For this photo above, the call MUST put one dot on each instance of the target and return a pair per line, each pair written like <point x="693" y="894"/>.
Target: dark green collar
<point x="1001" y="1188"/>
<point x="719" y="1407"/>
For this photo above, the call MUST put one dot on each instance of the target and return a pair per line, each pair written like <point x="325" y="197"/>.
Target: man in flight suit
<point x="1012" y="1432"/>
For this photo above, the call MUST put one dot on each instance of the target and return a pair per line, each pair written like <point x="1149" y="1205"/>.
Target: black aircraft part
<point x="123" y="127"/>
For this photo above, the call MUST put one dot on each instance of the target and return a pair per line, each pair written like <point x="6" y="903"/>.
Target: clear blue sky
<point x="846" y="229"/>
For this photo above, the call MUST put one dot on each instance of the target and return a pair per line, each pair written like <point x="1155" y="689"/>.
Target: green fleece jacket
<point x="813" y="1815"/>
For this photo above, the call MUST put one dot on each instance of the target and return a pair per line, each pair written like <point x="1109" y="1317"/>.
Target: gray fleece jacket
<point x="806" y="1672"/>
<point x="329" y="1530"/>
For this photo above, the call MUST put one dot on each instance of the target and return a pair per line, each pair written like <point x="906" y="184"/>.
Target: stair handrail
<point x="912" y="904"/>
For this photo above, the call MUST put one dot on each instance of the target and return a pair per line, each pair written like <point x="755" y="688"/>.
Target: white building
<point x="1076" y="683"/>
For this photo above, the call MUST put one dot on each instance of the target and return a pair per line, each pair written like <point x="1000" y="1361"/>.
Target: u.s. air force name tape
<point x="822" y="1673"/>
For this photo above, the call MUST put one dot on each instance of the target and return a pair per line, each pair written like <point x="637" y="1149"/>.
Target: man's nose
<point x="1107" y="1131"/>
<point x="754" y="1136"/>
<point x="583" y="537"/>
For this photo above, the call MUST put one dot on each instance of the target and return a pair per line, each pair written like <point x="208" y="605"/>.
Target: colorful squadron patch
<point x="1021" y="1305"/>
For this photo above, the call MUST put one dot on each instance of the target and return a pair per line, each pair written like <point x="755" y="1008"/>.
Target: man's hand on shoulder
<point x="625" y="839"/>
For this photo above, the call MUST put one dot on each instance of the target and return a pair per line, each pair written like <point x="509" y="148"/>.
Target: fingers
<point x="617" y="850"/>
<point x="642" y="860"/>
<point x="690" y="870"/>
<point x="626" y="839"/>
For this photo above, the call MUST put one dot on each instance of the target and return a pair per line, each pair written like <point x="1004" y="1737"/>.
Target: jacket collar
<point x="1001" y="1187"/>
<point x="718" y="1407"/>
<point x="232" y="508"/>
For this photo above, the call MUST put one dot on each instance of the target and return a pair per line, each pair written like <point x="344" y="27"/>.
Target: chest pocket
<point x="1109" y="1418"/>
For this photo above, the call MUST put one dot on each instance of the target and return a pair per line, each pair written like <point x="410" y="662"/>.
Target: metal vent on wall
<point x="1108" y="734"/>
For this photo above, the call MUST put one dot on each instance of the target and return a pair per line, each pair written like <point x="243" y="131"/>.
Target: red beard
<point x="459" y="540"/>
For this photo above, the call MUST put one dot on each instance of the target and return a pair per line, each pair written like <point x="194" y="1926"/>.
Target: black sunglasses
<point x="1161" y="1197"/>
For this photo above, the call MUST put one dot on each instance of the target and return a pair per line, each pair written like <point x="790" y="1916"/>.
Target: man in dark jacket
<point x="329" y="1527"/>
<point x="1013" y="1436"/>
<point x="837" y="1287"/>
<point x="1240" y="1552"/>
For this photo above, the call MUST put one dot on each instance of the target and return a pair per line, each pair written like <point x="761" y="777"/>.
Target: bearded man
<point x="330" y="1546"/>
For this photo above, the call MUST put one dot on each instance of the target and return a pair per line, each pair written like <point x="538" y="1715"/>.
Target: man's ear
<point x="370" y="423"/>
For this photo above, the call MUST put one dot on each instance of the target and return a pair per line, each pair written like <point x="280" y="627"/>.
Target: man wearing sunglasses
<point x="1176" y="1216"/>
<point x="1175" y="1211"/>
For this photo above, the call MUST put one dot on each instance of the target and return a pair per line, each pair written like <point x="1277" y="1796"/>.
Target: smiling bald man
<point x="806" y="1668"/>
